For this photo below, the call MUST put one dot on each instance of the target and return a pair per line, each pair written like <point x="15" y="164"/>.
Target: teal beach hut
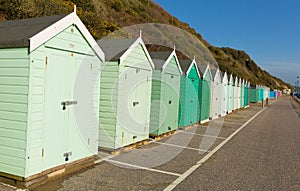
<point x="242" y="93"/>
<point x="46" y="121"/>
<point x="204" y="92"/>
<point x="261" y="93"/>
<point x="189" y="88"/>
<point x="254" y="93"/>
<point x="230" y="94"/>
<point x="125" y="97"/>
<point x="246" y="94"/>
<point x="165" y="93"/>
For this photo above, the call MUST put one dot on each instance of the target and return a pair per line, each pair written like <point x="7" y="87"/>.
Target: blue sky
<point x="268" y="30"/>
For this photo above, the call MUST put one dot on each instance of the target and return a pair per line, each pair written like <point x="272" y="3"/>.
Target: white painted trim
<point x="217" y="77"/>
<point x="225" y="77"/>
<point x="236" y="81"/>
<point x="139" y="41"/>
<point x="190" y="67"/>
<point x="40" y="38"/>
<point x="207" y="69"/>
<point x="173" y="53"/>
<point x="230" y="82"/>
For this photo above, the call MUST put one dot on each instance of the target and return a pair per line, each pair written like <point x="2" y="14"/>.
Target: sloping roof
<point x="34" y="32"/>
<point x="202" y="68"/>
<point x="185" y="65"/>
<point x="159" y="59"/>
<point x="16" y="33"/>
<point x="115" y="48"/>
<point x="213" y="72"/>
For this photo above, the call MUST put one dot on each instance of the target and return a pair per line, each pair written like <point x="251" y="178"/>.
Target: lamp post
<point x="297" y="86"/>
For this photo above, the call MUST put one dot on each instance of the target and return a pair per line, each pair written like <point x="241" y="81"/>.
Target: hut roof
<point x="115" y="48"/>
<point x="34" y="32"/>
<point x="159" y="59"/>
<point x="16" y="33"/>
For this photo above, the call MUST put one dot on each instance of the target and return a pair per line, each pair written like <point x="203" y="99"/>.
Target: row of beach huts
<point x="63" y="95"/>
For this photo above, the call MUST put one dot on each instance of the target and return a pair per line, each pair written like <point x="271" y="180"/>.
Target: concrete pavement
<point x="264" y="155"/>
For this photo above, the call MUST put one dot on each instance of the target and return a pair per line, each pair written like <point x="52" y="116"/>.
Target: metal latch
<point x="67" y="155"/>
<point x="67" y="103"/>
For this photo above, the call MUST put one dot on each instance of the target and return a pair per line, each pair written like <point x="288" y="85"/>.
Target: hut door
<point x="135" y="104"/>
<point x="58" y="109"/>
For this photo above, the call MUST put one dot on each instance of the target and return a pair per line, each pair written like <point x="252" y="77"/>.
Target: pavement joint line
<point x="143" y="168"/>
<point x="233" y="123"/>
<point x="231" y="129"/>
<point x="203" y="135"/>
<point x="104" y="159"/>
<point x="210" y="154"/>
<point x="185" y="147"/>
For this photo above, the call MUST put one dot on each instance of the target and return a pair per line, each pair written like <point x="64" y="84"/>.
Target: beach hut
<point x="125" y="97"/>
<point x="49" y="92"/>
<point x="246" y="94"/>
<point x="165" y="93"/>
<point x="204" y="92"/>
<point x="230" y="94"/>
<point x="266" y="92"/>
<point x="224" y="99"/>
<point x="189" y="88"/>
<point x="236" y="82"/>
<point x="239" y="93"/>
<point x="254" y="93"/>
<point x="216" y="94"/>
<point x="272" y="94"/>
<point x="261" y="93"/>
<point x="242" y="93"/>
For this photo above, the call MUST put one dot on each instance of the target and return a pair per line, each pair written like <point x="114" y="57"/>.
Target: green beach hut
<point x="125" y="97"/>
<point x="204" y="92"/>
<point x="49" y="92"/>
<point x="230" y="95"/>
<point x="189" y="87"/>
<point x="165" y="93"/>
<point x="254" y="93"/>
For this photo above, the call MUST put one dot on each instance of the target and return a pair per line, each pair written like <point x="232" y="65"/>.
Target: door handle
<point x="67" y="103"/>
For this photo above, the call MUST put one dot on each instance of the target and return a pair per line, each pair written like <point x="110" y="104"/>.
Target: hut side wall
<point x="170" y="96"/>
<point x="14" y="88"/>
<point x="204" y="102"/>
<point x="108" y="104"/>
<point x="156" y="106"/>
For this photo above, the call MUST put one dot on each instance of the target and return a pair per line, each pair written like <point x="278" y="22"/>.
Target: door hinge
<point x="43" y="152"/>
<point x="46" y="61"/>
